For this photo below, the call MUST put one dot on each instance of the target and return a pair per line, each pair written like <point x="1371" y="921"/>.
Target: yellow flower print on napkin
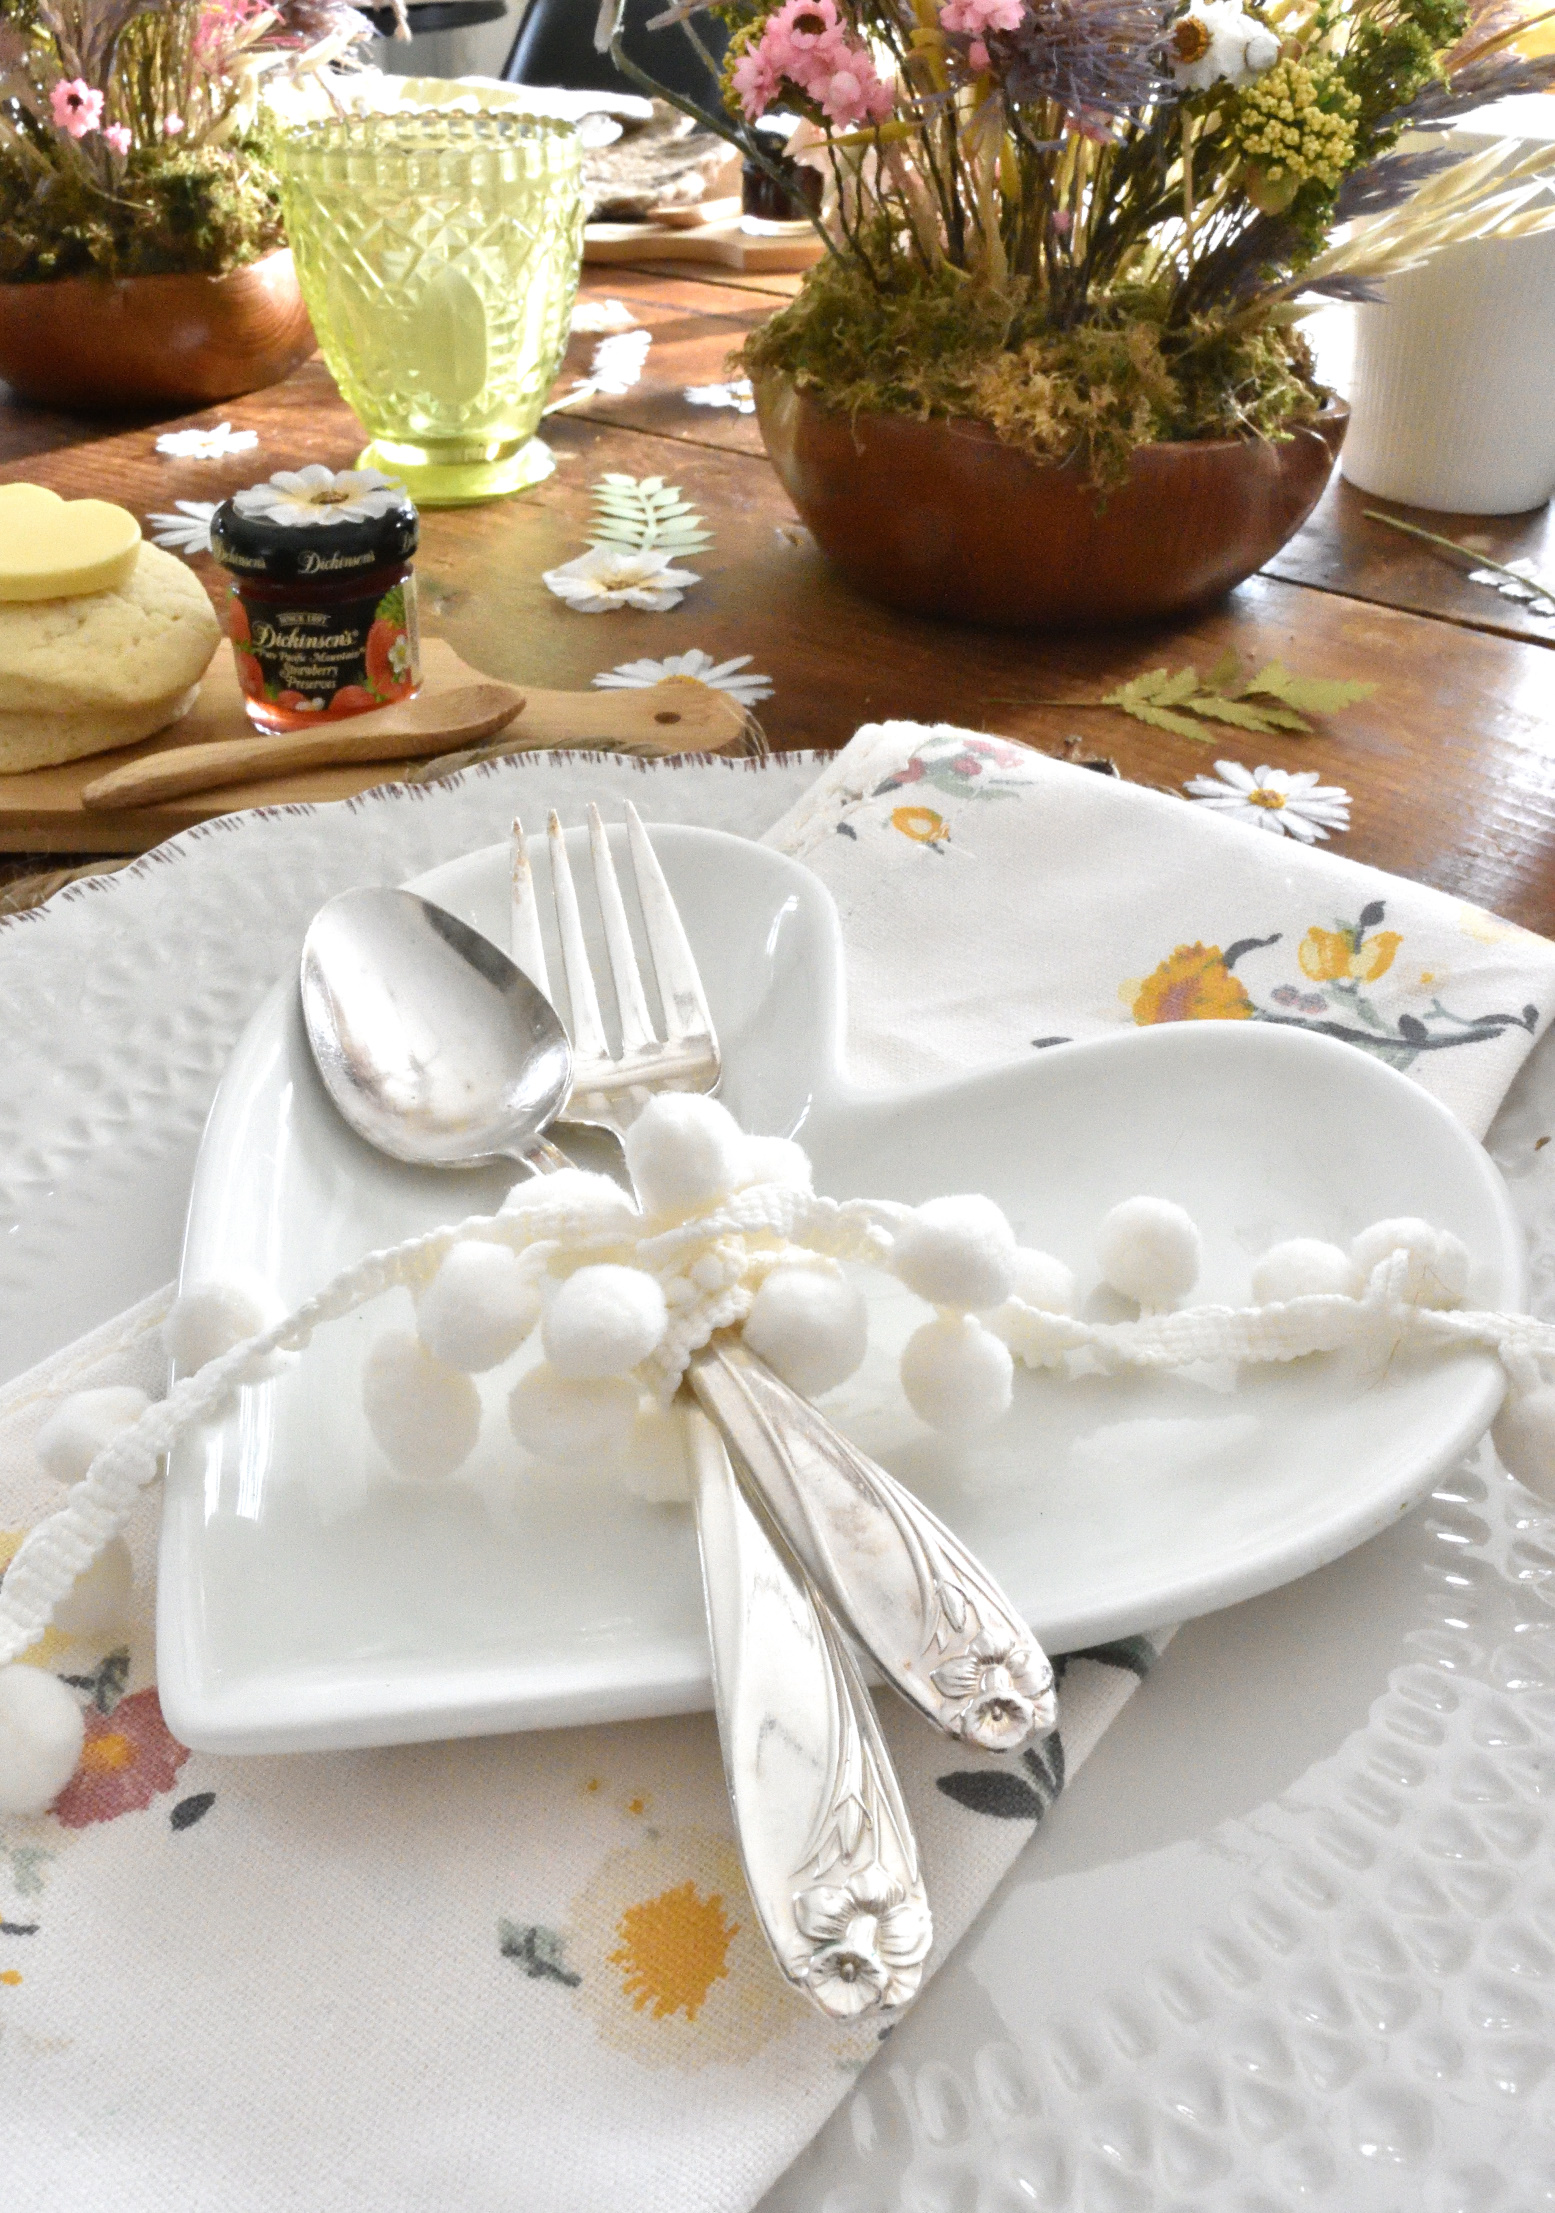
<point x="671" y="1962"/>
<point x="1345" y="955"/>
<point x="921" y="824"/>
<point x="1194" y="985"/>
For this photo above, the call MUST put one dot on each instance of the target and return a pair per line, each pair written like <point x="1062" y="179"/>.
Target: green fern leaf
<point x="1313" y="695"/>
<point x="646" y="515"/>
<point x="1239" y="712"/>
<point x="1163" y="718"/>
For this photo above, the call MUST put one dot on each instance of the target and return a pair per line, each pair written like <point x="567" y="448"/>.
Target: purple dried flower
<point x="1097" y="59"/>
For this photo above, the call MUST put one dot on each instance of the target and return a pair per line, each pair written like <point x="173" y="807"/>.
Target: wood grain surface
<point x="1451" y="763"/>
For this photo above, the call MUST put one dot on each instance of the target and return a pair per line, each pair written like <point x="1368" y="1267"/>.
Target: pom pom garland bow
<point x="731" y="1237"/>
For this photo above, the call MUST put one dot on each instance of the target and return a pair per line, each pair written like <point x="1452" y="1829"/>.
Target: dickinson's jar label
<point x="322" y="606"/>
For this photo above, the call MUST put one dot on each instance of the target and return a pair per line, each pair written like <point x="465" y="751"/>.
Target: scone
<point x="86" y="674"/>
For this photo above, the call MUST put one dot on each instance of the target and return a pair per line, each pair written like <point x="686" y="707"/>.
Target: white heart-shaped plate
<point x="311" y="1598"/>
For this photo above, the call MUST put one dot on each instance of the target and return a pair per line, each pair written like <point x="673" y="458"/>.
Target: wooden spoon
<point x="670" y="717"/>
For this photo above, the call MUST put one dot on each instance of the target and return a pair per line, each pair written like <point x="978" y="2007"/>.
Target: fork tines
<point x="686" y="1056"/>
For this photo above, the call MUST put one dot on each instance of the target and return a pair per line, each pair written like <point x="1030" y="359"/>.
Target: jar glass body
<point x="316" y="651"/>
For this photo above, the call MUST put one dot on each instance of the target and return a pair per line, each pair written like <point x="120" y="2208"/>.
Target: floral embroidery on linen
<point x="961" y="767"/>
<point x="539" y="1951"/>
<point x="1004" y="1794"/>
<point x="921" y="824"/>
<point x="1197" y="983"/>
<point x="671" y="1966"/>
<point x="672" y="1950"/>
<point x="129" y="1758"/>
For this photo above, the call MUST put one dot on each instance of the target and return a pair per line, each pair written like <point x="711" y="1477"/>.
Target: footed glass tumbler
<point x="439" y="253"/>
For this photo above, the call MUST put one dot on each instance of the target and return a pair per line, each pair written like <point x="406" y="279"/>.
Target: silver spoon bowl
<point x="435" y="1047"/>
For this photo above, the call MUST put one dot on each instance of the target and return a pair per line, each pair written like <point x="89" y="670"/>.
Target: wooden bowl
<point x="942" y="518"/>
<point x="133" y="342"/>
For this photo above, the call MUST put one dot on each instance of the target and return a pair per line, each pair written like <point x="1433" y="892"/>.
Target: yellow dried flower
<point x="1296" y="122"/>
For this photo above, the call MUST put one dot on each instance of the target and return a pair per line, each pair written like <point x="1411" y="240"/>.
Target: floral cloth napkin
<point x="521" y="1971"/>
<point x="994" y="900"/>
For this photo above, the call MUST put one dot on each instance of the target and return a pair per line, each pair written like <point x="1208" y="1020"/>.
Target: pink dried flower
<point x="173" y="125"/>
<point x="805" y="23"/>
<point x="805" y="44"/>
<point x="978" y="17"/>
<point x="977" y="54"/>
<point x="853" y="95"/>
<point x="76" y="106"/>
<point x="756" y="82"/>
<point x="119" y="138"/>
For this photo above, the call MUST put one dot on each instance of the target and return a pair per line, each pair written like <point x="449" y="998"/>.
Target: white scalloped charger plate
<point x="308" y="1597"/>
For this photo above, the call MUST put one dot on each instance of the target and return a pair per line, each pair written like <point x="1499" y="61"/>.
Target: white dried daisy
<point x="1291" y="805"/>
<point x="737" y="394"/>
<point x="189" y="531"/>
<point x="614" y="576"/>
<point x="617" y="365"/>
<point x="206" y="445"/>
<point x="719" y="676"/>
<point x="597" y="318"/>
<point x="1215" y="43"/>
<point x="297" y="498"/>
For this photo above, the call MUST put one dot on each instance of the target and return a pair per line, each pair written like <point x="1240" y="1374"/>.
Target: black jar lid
<point x="365" y="521"/>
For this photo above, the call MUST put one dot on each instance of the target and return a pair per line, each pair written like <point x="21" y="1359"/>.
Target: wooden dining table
<point x="1450" y="762"/>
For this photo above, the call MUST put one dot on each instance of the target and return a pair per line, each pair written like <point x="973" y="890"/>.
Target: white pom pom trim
<point x="41" y="1734"/>
<point x="811" y="1326"/>
<point x="603" y="1321"/>
<point x="478" y="1308"/>
<point x="77" y="1430"/>
<point x="958" y="1376"/>
<point x="1148" y="1249"/>
<point x="957" y="1252"/>
<point x="425" y="1415"/>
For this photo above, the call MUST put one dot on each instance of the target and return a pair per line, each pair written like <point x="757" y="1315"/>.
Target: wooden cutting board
<point x="41" y="809"/>
<point x="721" y="245"/>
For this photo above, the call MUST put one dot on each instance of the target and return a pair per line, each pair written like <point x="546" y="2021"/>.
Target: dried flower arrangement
<point x="1089" y="223"/>
<point x="131" y="136"/>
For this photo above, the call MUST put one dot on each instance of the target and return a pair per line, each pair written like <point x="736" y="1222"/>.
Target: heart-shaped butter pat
<point x="53" y="548"/>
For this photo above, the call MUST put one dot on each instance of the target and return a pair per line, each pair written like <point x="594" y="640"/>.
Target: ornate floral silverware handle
<point x="828" y="1849"/>
<point x="929" y="1615"/>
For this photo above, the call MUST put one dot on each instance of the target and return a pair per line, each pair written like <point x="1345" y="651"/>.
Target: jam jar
<point x="322" y="606"/>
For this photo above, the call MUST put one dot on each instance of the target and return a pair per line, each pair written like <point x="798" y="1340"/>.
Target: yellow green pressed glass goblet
<point x="439" y="253"/>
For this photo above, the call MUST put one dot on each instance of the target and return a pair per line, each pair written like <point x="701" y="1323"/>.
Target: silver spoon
<point x="434" y="1046"/>
<point x="439" y="1051"/>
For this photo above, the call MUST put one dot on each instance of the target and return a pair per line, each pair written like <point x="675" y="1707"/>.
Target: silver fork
<point x="828" y="1849"/>
<point x="928" y="1613"/>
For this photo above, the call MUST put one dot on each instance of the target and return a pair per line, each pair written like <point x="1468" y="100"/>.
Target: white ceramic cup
<point x="1453" y="386"/>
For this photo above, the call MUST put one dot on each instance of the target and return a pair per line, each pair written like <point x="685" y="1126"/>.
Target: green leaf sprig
<point x="646" y="515"/>
<point x="1273" y="698"/>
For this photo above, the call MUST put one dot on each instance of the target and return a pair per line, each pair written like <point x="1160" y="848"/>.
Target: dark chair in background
<point x="555" y="46"/>
<point x="438" y="15"/>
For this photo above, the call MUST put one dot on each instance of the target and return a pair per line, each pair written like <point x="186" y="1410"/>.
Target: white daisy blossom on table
<point x="1215" y="43"/>
<point x="1291" y="805"/>
<point x="719" y="676"/>
<point x="1522" y="583"/>
<point x="619" y="361"/>
<point x="613" y="576"/>
<point x="206" y="445"/>
<point x="296" y="498"/>
<point x="617" y="365"/>
<point x="736" y="394"/>
<point x="597" y="318"/>
<point x="187" y="532"/>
